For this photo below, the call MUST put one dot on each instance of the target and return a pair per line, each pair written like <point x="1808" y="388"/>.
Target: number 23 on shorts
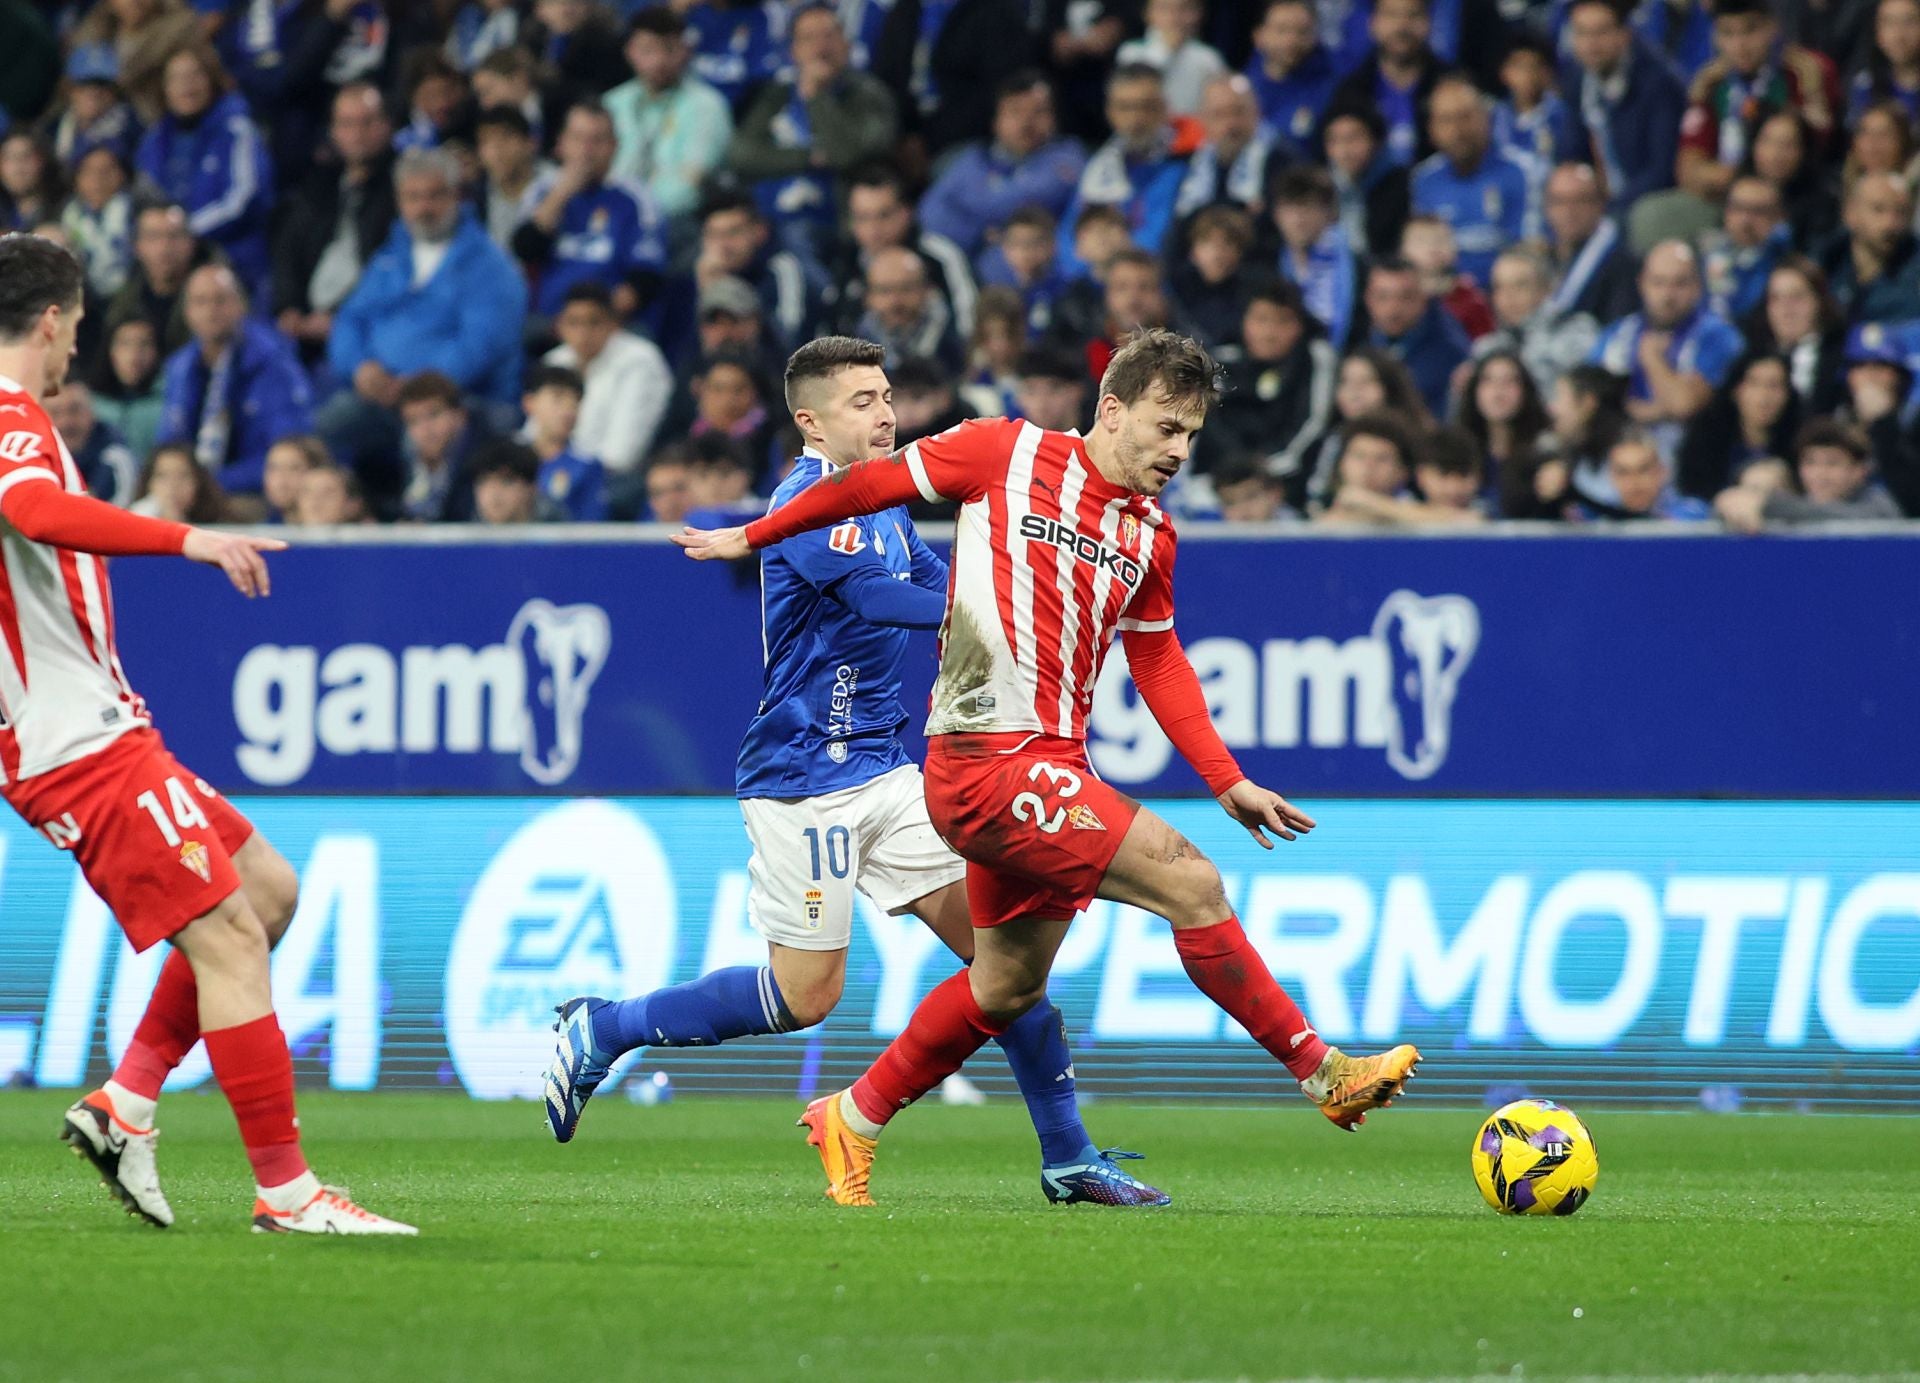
<point x="1031" y="808"/>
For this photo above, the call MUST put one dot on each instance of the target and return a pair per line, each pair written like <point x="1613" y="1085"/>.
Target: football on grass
<point x="1535" y="1157"/>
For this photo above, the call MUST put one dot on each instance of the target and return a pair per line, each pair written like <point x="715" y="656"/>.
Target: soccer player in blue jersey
<point x="831" y="801"/>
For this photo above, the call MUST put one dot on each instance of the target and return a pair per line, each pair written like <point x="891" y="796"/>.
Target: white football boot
<point x="327" y="1210"/>
<point x="121" y="1153"/>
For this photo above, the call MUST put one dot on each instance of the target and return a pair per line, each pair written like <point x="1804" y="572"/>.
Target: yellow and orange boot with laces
<point x="1346" y="1087"/>
<point x="846" y="1155"/>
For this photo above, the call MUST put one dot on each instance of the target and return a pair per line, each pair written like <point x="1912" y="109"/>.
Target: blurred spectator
<point x="1738" y="257"/>
<point x="1140" y="169"/>
<point x="671" y="127"/>
<point x="506" y="485"/>
<point x="1172" y="47"/>
<point x="1367" y="381"/>
<point x="1787" y="155"/>
<point x="579" y="48"/>
<point x="905" y="314"/>
<point x="1593" y="270"/>
<point x="510" y="162"/>
<point x="1373" y="489"/>
<point x="801" y="134"/>
<point x="236" y="388"/>
<point x="584" y="224"/>
<point x="142" y="35"/>
<point x="730" y="401"/>
<point x="1279" y="376"/>
<point x="1674" y="351"/>
<point x="1891" y="75"/>
<point x="1411" y="325"/>
<point x="128" y="393"/>
<point x="31" y="185"/>
<point x="1752" y="73"/>
<point x="1374" y="466"/>
<point x="880" y="217"/>
<point x="442" y="439"/>
<point x="999" y="336"/>
<point x="1050" y="389"/>
<point x="1135" y="297"/>
<point x="436" y="99"/>
<point x="720" y="483"/>
<point x="924" y="399"/>
<point x="1880" y="379"/>
<point x="669" y="484"/>
<point x="94" y="113"/>
<point x="1374" y="194"/>
<point x="1588" y="407"/>
<point x="100" y="454"/>
<point x="439" y="295"/>
<point x="1482" y="191"/>
<point x="1428" y="245"/>
<point x="943" y="60"/>
<point x="1525" y="322"/>
<point x="98" y="220"/>
<point x="1315" y="255"/>
<point x="1292" y="72"/>
<point x="329" y="495"/>
<point x="1834" y="465"/>
<point x="627" y="382"/>
<point x="1395" y="78"/>
<point x="335" y="223"/>
<point x="1639" y="475"/>
<point x="175" y="487"/>
<point x="736" y="241"/>
<point x="481" y="28"/>
<point x="1750" y="421"/>
<point x="1209" y="286"/>
<point x="1627" y="101"/>
<point x="206" y="154"/>
<point x="1081" y="307"/>
<point x="1802" y="322"/>
<point x="289" y="462"/>
<point x="1533" y="121"/>
<point x="1081" y="39"/>
<point x="1873" y="266"/>
<point x="1026" y="261"/>
<point x="1245" y="492"/>
<point x="737" y="44"/>
<point x="1024" y="165"/>
<point x="730" y="317"/>
<point x="1502" y="411"/>
<point x="1236" y="159"/>
<point x="509" y="79"/>
<point x="1884" y="141"/>
<point x="572" y="483"/>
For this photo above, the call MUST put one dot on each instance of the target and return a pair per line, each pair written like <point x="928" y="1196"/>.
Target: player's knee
<point x="812" y="1001"/>
<point x="275" y="895"/>
<point x="1005" y="997"/>
<point x="230" y="940"/>
<point x="1195" y="895"/>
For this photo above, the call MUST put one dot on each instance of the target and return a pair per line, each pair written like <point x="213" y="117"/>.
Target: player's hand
<point x="1255" y="807"/>
<point x="714" y="544"/>
<point x="236" y="554"/>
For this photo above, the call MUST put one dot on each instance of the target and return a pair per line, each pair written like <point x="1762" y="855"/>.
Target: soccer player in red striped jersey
<point x="1059" y="546"/>
<point x="81" y="762"/>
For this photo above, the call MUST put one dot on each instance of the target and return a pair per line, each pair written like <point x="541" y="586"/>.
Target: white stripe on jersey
<point x="1102" y="592"/>
<point x="918" y="470"/>
<point x="1149" y="535"/>
<point x="1073" y="483"/>
<point x="24" y="474"/>
<point x="1019" y="495"/>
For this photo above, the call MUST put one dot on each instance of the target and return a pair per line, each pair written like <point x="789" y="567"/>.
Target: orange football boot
<point x="846" y="1155"/>
<point x="1346" y="1087"/>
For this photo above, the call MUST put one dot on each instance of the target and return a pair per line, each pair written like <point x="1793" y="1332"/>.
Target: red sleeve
<point x="1172" y="692"/>
<point x="45" y="513"/>
<point x="1700" y="130"/>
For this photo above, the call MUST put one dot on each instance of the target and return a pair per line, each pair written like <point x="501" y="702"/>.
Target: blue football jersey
<point x="830" y="712"/>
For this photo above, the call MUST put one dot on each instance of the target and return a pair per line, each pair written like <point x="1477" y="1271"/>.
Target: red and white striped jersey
<point x="1049" y="560"/>
<point x="63" y="693"/>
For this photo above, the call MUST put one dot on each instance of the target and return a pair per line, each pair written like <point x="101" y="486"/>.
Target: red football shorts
<point x="1035" y="825"/>
<point x="154" y="841"/>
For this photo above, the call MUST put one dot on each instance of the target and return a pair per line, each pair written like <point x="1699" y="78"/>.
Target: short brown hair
<point x="429" y="386"/>
<point x="1177" y="365"/>
<point x="826" y="357"/>
<point x="1228" y="221"/>
<point x="1385" y="427"/>
<point x="1831" y="432"/>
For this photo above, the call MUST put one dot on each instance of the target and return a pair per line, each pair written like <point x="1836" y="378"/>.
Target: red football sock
<point x="167" y="1031"/>
<point x="255" y="1071"/>
<point x="1224" y="966"/>
<point x="944" y="1031"/>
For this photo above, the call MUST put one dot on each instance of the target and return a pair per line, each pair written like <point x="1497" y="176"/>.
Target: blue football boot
<point x="576" y="1070"/>
<point x="1092" y="1179"/>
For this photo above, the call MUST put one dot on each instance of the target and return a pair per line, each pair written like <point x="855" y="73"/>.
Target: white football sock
<point x="856" y="1121"/>
<point x="293" y="1196"/>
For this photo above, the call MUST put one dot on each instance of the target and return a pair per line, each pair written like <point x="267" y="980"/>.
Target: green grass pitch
<point x="691" y="1242"/>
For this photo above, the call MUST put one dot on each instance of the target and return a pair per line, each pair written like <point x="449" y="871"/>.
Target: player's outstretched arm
<point x="866" y="487"/>
<point x="713" y="544"/>
<point x="236" y="554"/>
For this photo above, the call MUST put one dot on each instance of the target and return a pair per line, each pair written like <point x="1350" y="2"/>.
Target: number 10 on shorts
<point x="839" y="850"/>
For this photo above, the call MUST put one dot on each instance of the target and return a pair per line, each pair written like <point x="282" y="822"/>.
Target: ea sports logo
<point x="579" y="901"/>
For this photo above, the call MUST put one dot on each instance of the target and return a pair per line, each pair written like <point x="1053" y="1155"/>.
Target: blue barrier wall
<point x="1639" y="952"/>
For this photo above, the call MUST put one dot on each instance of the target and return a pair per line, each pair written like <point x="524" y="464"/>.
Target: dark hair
<point x="1728" y="9"/>
<point x="50" y="187"/>
<point x="877" y="174"/>
<point x="1050" y="362"/>
<point x="312" y="450"/>
<point x="1831" y="432"/>
<point x="589" y="291"/>
<point x="423" y="65"/>
<point x="1528" y="423"/>
<point x="506" y="457"/>
<point x="429" y="386"/>
<point x="1384" y="425"/>
<point x="714" y="448"/>
<point x="1704" y="463"/>
<point x="1230" y="221"/>
<point x="916" y="374"/>
<point x="725" y="200"/>
<point x="658" y="20"/>
<point x="1102" y="211"/>
<point x="348" y="480"/>
<point x="1177" y="365"/>
<point x="826" y="356"/>
<point x="738" y="359"/>
<point x="1620" y="9"/>
<point x="1534" y="44"/>
<point x="554" y="377"/>
<point x="1609" y="394"/>
<point x="1035" y="216"/>
<point x="1375" y="124"/>
<point x="1450" y="450"/>
<point x="511" y="61"/>
<point x="1276" y="292"/>
<point x="35" y="275"/>
<point x="1396" y="382"/>
<point x="503" y="118"/>
<point x="1020" y="82"/>
<point x="589" y="107"/>
<point x="1304" y="183"/>
<point x="1136" y="256"/>
<point x="1135" y="72"/>
<point x="1390" y="264"/>
<point x="1241" y="465"/>
<point x="209" y="502"/>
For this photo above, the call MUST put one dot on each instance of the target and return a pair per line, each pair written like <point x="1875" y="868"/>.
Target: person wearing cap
<point x="628" y="384"/>
<point x="1753" y="74"/>
<point x="1880" y="389"/>
<point x="1873" y="265"/>
<point x="96" y="114"/>
<point x="730" y="318"/>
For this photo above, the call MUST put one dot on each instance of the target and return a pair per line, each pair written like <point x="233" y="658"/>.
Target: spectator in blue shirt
<point x="436" y="99"/>
<point x="1396" y="77"/>
<point x="1237" y="159"/>
<point x="737" y="44"/>
<point x="1316" y="254"/>
<point x="583" y="223"/>
<point x="1410" y="324"/>
<point x="206" y="154"/>
<point x="1675" y="350"/>
<point x="1642" y="485"/>
<point x="1627" y="102"/>
<point x="1139" y="170"/>
<point x="1533" y="119"/>
<point x="481" y="28"/>
<point x="1484" y="192"/>
<point x="1026" y="260"/>
<point x="1023" y="165"/>
<point x="575" y="485"/>
<point x="1292" y="74"/>
<point x="1737" y="258"/>
<point x="1892" y="72"/>
<point x="95" y="113"/>
<point x="236" y="388"/>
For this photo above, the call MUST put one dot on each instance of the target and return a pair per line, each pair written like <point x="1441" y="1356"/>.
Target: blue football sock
<point x="1036" y="1048"/>
<point x="741" y="1001"/>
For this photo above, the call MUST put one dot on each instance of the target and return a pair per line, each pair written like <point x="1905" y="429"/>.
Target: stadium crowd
<point x="504" y="261"/>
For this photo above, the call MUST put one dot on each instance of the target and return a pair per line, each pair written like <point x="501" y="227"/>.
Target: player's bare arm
<point x="866" y="487"/>
<point x="1261" y="810"/>
<point x="236" y="554"/>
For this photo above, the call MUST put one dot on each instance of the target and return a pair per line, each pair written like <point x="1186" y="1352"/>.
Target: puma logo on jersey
<point x="1084" y="546"/>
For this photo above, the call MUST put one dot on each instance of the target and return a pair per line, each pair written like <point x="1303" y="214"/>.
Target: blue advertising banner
<point x="1644" y="953"/>
<point x="1481" y="666"/>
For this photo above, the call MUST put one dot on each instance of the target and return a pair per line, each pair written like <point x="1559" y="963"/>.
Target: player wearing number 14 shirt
<point x="1060" y="546"/>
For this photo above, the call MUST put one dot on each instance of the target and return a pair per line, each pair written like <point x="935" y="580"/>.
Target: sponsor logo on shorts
<point x="815" y="902"/>
<point x="1082" y="818"/>
<point x="194" y="856"/>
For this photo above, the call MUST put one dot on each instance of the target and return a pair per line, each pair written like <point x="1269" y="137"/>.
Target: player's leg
<point x="1159" y="870"/>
